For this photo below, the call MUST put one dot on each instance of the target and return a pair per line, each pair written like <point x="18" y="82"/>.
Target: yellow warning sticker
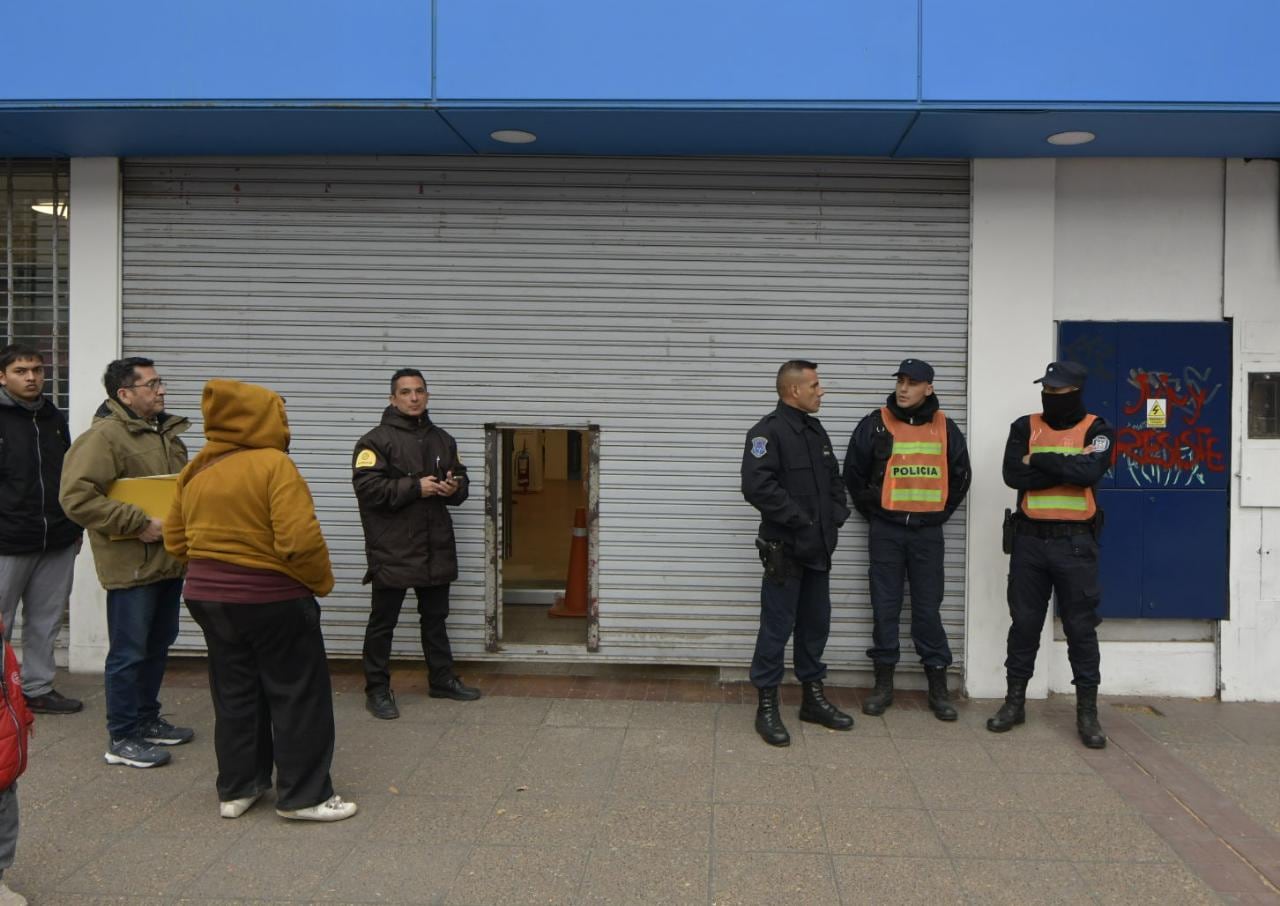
<point x="1157" y="413"/>
<point x="366" y="459"/>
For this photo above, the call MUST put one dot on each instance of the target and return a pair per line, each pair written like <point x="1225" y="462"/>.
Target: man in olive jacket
<point x="406" y="472"/>
<point x="131" y="437"/>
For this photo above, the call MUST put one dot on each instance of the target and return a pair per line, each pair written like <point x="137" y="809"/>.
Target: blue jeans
<point x="142" y="623"/>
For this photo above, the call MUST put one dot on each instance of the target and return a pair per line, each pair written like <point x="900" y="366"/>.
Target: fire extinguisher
<point x="524" y="464"/>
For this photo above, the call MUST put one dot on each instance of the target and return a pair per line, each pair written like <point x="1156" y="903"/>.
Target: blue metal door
<point x="1166" y="388"/>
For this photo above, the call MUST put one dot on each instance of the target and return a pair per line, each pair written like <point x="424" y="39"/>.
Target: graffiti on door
<point x="1179" y="455"/>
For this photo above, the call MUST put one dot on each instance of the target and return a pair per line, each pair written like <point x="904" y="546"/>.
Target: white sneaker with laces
<point x="234" y="808"/>
<point x="335" y="808"/>
<point x="11" y="897"/>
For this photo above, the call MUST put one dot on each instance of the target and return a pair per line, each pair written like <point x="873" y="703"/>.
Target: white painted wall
<point x="95" y="341"/>
<point x="1168" y="239"/>
<point x="1138" y="240"/>
<point x="1250" y="640"/>
<point x="1011" y="337"/>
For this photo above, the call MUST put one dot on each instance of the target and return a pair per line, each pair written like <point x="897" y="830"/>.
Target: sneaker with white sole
<point x="11" y="897"/>
<point x="335" y="808"/>
<point x="234" y="808"/>
<point x="159" y="732"/>
<point x="136" y="753"/>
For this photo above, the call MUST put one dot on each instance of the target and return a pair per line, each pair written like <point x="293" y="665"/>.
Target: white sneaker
<point x="234" y="808"/>
<point x="332" y="809"/>
<point x="9" y="897"/>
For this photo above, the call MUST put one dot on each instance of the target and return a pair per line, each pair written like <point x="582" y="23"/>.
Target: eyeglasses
<point x="153" y="385"/>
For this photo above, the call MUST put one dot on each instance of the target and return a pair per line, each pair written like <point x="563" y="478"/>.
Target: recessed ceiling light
<point x="513" y="136"/>
<point x="1071" y="138"/>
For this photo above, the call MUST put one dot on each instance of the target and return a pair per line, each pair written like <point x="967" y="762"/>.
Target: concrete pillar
<point x="1011" y="337"/>
<point x="95" y="340"/>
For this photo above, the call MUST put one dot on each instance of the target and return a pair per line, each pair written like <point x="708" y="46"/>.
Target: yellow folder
<point x="153" y="493"/>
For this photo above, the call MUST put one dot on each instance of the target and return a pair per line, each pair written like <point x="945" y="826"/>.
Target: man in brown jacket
<point x="131" y="437"/>
<point x="406" y="472"/>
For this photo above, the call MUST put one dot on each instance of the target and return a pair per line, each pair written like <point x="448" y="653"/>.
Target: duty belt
<point x="1052" y="529"/>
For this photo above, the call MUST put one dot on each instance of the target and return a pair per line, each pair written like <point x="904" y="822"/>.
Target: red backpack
<point x="15" y="720"/>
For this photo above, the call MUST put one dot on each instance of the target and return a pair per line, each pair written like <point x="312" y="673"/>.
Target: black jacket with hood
<point x="408" y="538"/>
<point x="33" y="444"/>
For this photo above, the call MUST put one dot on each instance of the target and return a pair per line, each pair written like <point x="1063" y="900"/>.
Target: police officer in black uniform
<point x="1053" y="459"/>
<point x="790" y="474"/>
<point x="929" y="479"/>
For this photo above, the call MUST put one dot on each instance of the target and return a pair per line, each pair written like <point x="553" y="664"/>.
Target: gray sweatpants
<point x="8" y="826"/>
<point x="43" y="583"/>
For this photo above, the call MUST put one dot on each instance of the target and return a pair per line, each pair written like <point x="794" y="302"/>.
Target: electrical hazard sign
<point x="1157" y="413"/>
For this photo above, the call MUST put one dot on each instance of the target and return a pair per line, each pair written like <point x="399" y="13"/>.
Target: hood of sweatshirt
<point x="238" y="415"/>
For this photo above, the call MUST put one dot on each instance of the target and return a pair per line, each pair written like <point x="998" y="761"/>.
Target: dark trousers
<point x="901" y="552"/>
<point x="272" y="701"/>
<point x="142" y="623"/>
<point x="384" y="613"/>
<point x="1069" y="567"/>
<point x="801" y="604"/>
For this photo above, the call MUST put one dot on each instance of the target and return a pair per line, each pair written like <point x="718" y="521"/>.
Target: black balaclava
<point x="1062" y="410"/>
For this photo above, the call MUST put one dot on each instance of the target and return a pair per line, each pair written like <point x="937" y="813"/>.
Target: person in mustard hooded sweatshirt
<point x="244" y="523"/>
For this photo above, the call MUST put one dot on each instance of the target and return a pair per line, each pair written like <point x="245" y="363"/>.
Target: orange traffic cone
<point x="573" y="603"/>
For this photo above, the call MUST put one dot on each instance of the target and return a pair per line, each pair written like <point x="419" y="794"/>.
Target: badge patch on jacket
<point x="759" y="446"/>
<point x="366" y="459"/>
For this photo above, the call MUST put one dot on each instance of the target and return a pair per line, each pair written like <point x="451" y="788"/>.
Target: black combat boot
<point x="1087" y="718"/>
<point x="939" y="701"/>
<point x="769" y="720"/>
<point x="817" y="710"/>
<point x="881" y="696"/>
<point x="1013" y="711"/>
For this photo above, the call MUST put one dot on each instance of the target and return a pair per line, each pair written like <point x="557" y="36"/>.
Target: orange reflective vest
<point x="1068" y="502"/>
<point x="915" y="477"/>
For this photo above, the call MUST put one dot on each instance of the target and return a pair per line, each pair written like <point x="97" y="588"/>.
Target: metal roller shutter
<point x="653" y="297"/>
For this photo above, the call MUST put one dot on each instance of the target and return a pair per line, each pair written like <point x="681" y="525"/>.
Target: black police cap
<point x="1063" y="374"/>
<point x="916" y="369"/>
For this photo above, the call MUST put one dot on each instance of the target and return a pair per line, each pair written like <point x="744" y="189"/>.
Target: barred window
<point x="35" y="233"/>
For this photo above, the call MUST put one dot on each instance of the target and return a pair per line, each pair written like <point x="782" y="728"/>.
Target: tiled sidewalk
<point x="635" y="789"/>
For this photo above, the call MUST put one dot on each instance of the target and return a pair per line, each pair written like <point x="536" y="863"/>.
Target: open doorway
<point x="541" y="538"/>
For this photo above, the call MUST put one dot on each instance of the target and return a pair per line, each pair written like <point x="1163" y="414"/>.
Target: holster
<point x="1006" y="535"/>
<point x="777" y="564"/>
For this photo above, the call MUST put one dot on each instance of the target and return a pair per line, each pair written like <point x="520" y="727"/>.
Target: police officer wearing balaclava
<point x="1053" y="459"/>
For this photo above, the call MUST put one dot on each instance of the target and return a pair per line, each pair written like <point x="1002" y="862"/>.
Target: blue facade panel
<point x="1138" y="133"/>
<point x="88" y="50"/>
<point x="1102" y="51"/>
<point x="721" y="50"/>
<point x="223" y="130"/>
<point x="666" y="132"/>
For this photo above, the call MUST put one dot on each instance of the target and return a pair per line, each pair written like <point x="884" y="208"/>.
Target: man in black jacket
<point x="1053" y="458"/>
<point x="38" y="543"/>
<point x="406" y="472"/>
<point x="790" y="474"/>
<point x="907" y="470"/>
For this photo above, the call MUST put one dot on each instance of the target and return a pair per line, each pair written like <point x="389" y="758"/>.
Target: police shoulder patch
<point x="366" y="458"/>
<point x="1101" y="444"/>
<point x="759" y="446"/>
